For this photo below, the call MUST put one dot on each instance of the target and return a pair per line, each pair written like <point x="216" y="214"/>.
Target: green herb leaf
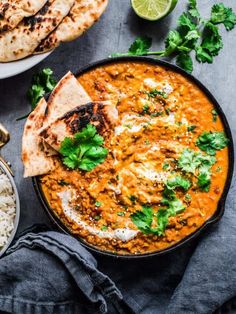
<point x="193" y="11"/>
<point x="211" y="44"/>
<point x="154" y="93"/>
<point x="140" y="46"/>
<point x="98" y="204"/>
<point x="120" y="213"/>
<point x="178" y="182"/>
<point x="186" y="24"/>
<point x="204" y="178"/>
<point x="191" y="160"/>
<point x="84" y="150"/>
<point x="210" y="142"/>
<point x="214" y="115"/>
<point x="42" y="83"/>
<point x="185" y="62"/>
<point x="143" y="219"/>
<point x="104" y="228"/>
<point x="191" y="128"/>
<point x="166" y="166"/>
<point x="173" y="40"/>
<point x="224" y="15"/>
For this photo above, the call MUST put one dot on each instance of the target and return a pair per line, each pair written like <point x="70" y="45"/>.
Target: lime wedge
<point x="153" y="10"/>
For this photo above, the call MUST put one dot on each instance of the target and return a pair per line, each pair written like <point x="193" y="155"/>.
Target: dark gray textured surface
<point x="114" y="32"/>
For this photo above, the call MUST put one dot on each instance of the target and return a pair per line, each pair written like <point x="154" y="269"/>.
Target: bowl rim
<point x="221" y="204"/>
<point x="17" y="216"/>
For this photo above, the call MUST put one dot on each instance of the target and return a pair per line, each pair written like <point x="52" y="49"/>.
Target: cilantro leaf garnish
<point x="210" y="142"/>
<point x="204" y="178"/>
<point x="84" y="151"/>
<point x="155" y="92"/>
<point x="214" y="115"/>
<point x="221" y="14"/>
<point x="143" y="219"/>
<point x="191" y="160"/>
<point x="178" y="182"/>
<point x="42" y="83"/>
<point x="191" y="128"/>
<point x="193" y="33"/>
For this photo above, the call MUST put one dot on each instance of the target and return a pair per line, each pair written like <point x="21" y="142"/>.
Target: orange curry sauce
<point x="143" y="154"/>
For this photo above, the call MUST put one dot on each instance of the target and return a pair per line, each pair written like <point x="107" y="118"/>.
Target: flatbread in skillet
<point x="67" y="94"/>
<point x="83" y="15"/>
<point x="22" y="41"/>
<point x="103" y="115"/>
<point x="12" y="12"/>
<point x="34" y="159"/>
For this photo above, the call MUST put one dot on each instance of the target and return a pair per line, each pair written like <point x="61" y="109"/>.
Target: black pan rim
<point x="221" y="204"/>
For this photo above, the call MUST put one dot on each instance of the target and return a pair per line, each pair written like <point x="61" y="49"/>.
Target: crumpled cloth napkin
<point x="49" y="272"/>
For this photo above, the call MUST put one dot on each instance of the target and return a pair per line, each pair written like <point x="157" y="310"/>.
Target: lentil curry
<point x="166" y="165"/>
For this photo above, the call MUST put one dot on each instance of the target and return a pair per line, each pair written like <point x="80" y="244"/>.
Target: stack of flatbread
<point x="68" y="110"/>
<point x="36" y="26"/>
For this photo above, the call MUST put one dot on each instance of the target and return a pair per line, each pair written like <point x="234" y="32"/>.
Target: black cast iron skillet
<point x="221" y="205"/>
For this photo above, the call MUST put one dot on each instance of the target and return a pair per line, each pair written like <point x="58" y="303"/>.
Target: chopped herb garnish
<point x="191" y="128"/>
<point x="188" y="197"/>
<point x="104" y="228"/>
<point x="178" y="182"/>
<point x="98" y="204"/>
<point x="214" y="115"/>
<point x="166" y="166"/>
<point x="42" y="83"/>
<point x="120" y="213"/>
<point x="146" y="109"/>
<point x="147" y="142"/>
<point x="155" y="92"/>
<point x="63" y="183"/>
<point x="98" y="217"/>
<point x="84" y="151"/>
<point x="210" y="142"/>
<point x="133" y="199"/>
<point x="219" y="169"/>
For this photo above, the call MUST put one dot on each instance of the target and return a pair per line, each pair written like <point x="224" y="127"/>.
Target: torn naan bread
<point x="22" y="41"/>
<point x="12" y="12"/>
<point x="67" y="94"/>
<point x="34" y="159"/>
<point x="83" y="15"/>
<point x="102" y="115"/>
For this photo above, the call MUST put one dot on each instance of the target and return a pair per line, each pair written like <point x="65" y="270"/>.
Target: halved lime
<point x="153" y="10"/>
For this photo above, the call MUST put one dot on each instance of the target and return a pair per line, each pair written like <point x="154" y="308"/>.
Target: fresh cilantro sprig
<point x="210" y="142"/>
<point x="42" y="83"/>
<point x="84" y="151"/>
<point x="144" y="219"/>
<point x="192" y="34"/>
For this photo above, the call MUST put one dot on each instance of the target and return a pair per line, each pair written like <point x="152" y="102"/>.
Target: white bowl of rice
<point x="9" y="208"/>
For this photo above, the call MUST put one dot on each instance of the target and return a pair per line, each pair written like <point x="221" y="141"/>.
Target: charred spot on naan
<point x="99" y="114"/>
<point x="102" y="115"/>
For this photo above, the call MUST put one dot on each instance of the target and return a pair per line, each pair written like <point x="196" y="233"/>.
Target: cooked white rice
<point x="7" y="209"/>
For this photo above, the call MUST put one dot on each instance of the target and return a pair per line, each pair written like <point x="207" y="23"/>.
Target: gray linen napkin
<point x="52" y="273"/>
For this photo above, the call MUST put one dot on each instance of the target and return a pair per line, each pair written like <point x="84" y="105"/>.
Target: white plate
<point x="16" y="67"/>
